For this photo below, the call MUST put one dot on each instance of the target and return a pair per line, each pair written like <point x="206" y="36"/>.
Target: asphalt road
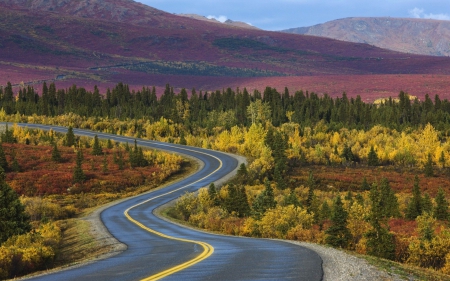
<point x="227" y="258"/>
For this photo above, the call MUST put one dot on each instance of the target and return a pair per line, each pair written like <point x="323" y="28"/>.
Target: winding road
<point x="159" y="249"/>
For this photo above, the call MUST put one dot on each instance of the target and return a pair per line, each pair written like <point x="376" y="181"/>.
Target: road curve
<point x="149" y="254"/>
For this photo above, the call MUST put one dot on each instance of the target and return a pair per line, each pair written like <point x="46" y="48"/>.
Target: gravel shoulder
<point x="340" y="266"/>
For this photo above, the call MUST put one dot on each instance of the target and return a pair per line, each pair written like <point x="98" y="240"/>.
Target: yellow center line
<point x="207" y="249"/>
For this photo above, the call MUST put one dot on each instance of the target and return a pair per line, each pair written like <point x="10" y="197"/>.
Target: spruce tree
<point x="365" y="186"/>
<point x="237" y="202"/>
<point x="338" y="235"/>
<point x="264" y="201"/>
<point x="213" y="195"/>
<point x="389" y="201"/>
<point x="3" y="162"/>
<point x="78" y="174"/>
<point x="96" y="148"/>
<point x="291" y="199"/>
<point x="242" y="174"/>
<point x="428" y="168"/>
<point x="414" y="208"/>
<point x="442" y="159"/>
<point x="120" y="160"/>
<point x="441" y="209"/>
<point x="8" y="136"/>
<point x="182" y="138"/>
<point x="380" y="242"/>
<point x="427" y="204"/>
<point x="311" y="184"/>
<point x="13" y="218"/>
<point x="372" y="157"/>
<point x="109" y="144"/>
<point x="56" y="155"/>
<point x="15" y="165"/>
<point x="105" y="164"/>
<point x="70" y="137"/>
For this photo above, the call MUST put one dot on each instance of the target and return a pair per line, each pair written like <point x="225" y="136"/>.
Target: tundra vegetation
<point x="369" y="178"/>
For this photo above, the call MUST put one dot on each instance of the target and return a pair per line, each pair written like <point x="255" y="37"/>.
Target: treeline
<point x="228" y="107"/>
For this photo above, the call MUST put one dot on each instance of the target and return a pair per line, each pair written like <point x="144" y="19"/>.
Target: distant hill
<point x="103" y="42"/>
<point x="227" y="22"/>
<point x="407" y="35"/>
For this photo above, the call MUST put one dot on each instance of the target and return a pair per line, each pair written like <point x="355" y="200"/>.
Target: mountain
<point x="103" y="42"/>
<point x="408" y="35"/>
<point x="227" y="22"/>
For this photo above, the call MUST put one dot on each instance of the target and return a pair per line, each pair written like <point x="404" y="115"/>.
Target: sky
<point x="284" y="14"/>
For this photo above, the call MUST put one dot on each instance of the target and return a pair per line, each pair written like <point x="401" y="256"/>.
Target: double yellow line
<point x="207" y="249"/>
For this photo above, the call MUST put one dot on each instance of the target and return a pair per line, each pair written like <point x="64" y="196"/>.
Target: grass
<point x="406" y="271"/>
<point x="78" y="243"/>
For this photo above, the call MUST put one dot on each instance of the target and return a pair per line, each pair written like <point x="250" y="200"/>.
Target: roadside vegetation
<point x="368" y="178"/>
<point x="48" y="180"/>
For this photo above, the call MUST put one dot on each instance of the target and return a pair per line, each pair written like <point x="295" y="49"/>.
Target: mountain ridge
<point x="408" y="35"/>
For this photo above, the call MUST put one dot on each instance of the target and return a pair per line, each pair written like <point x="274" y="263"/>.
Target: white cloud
<point x="437" y="16"/>
<point x="416" y="13"/>
<point x="420" y="13"/>
<point x="219" y="18"/>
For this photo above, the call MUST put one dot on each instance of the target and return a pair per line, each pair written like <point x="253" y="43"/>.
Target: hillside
<point x="105" y="42"/>
<point x="408" y="35"/>
<point x="227" y="22"/>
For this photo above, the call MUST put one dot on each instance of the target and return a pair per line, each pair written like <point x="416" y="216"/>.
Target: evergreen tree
<point x="213" y="195"/>
<point x="291" y="199"/>
<point x="311" y="184"/>
<point x="414" y="208"/>
<point x="105" y="164"/>
<point x="338" y="235"/>
<point x="359" y="199"/>
<point x="365" y="185"/>
<point x="347" y="153"/>
<point x="3" y="162"/>
<point x="96" y="148"/>
<point x="441" y="209"/>
<point x="182" y="138"/>
<point x="120" y="160"/>
<point x="264" y="201"/>
<point x="70" y="137"/>
<point x="442" y="159"/>
<point x="78" y="174"/>
<point x="389" y="201"/>
<point x="109" y="144"/>
<point x="237" y="202"/>
<point x="15" y="165"/>
<point x="427" y="205"/>
<point x="8" y="136"/>
<point x="428" y="168"/>
<point x="56" y="155"/>
<point x="13" y="218"/>
<point x="372" y="157"/>
<point x="380" y="242"/>
<point x="242" y="174"/>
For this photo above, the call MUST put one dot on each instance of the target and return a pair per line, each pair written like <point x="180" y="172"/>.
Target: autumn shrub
<point x="29" y="252"/>
<point x="44" y="209"/>
<point x="277" y="222"/>
<point x="186" y="205"/>
<point x="312" y="235"/>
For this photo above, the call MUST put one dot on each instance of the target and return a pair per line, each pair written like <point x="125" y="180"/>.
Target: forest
<point x="366" y="177"/>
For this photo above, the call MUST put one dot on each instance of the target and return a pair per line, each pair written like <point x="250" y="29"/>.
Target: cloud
<point x="219" y="18"/>
<point x="416" y="13"/>
<point x="420" y="13"/>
